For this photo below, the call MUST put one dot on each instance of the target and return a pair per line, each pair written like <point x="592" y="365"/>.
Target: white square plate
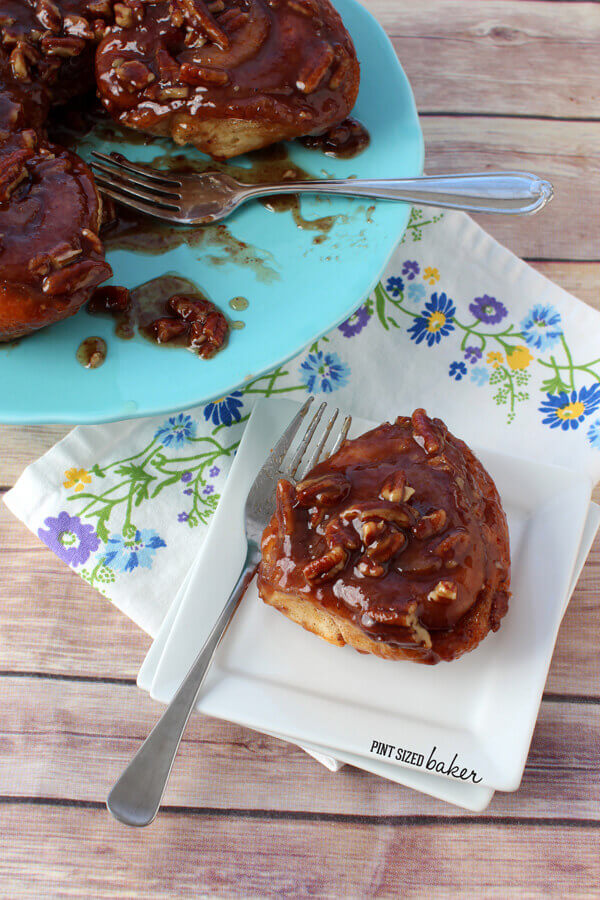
<point x="477" y="713"/>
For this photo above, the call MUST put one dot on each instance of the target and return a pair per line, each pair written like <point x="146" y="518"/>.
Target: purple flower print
<point x="69" y="538"/>
<point x="188" y="491"/>
<point x="410" y="269"/>
<point x="488" y="309"/>
<point x="473" y="354"/>
<point x="356" y="322"/>
<point x="186" y="477"/>
<point x="214" y="471"/>
<point x="183" y="517"/>
<point x="209" y="489"/>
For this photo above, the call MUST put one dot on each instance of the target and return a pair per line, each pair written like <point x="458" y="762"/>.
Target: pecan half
<point x="62" y="46"/>
<point x="425" y="434"/>
<point x="370" y="568"/>
<point x="194" y="74"/>
<point x="285" y="498"/>
<point x="338" y="533"/>
<point x="13" y="171"/>
<point x="49" y="15"/>
<point x="419" y="631"/>
<point x="313" y="73"/>
<point x="431" y="524"/>
<point x="323" y="490"/>
<point x="387" y="547"/>
<point x="133" y="75"/>
<point x="453" y="545"/>
<point x="399" y="514"/>
<point x="326" y="567"/>
<point x="195" y="14"/>
<point x="75" y="277"/>
<point x="123" y="15"/>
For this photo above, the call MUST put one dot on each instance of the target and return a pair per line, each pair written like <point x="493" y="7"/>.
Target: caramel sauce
<point x="468" y="550"/>
<point x="91" y="353"/>
<point x="343" y="141"/>
<point x="239" y="303"/>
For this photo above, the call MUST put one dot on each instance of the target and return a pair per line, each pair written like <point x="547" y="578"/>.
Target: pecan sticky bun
<point x="51" y="257"/>
<point x="397" y="545"/>
<point x="228" y="76"/>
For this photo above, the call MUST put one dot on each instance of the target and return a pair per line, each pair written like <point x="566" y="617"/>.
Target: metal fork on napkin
<point x="135" y="798"/>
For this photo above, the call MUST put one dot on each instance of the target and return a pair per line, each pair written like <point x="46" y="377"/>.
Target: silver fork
<point x="135" y="798"/>
<point x="200" y="198"/>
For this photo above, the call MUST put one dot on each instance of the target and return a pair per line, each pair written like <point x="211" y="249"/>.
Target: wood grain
<point x="567" y="153"/>
<point x="501" y="57"/>
<point x="220" y="856"/>
<point x="52" y="731"/>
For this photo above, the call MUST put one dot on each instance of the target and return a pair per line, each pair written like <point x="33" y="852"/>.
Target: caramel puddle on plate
<point x="91" y="353"/>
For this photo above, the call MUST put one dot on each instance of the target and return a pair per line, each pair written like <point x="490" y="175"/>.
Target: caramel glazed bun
<point x="228" y="76"/>
<point x="51" y="257"/>
<point x="397" y="545"/>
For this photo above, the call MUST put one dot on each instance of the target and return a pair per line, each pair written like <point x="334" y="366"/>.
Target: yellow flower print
<point x="519" y="358"/>
<point x="431" y="275"/>
<point x="571" y="411"/>
<point x="436" y="321"/>
<point x="495" y="359"/>
<point x="76" y="478"/>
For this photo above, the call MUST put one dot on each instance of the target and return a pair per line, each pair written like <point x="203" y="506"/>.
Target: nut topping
<point x="443" y="592"/>
<point x="430" y="525"/>
<point x="134" y="75"/>
<point x="425" y="435"/>
<point x="322" y="491"/>
<point x="311" y="76"/>
<point x="327" y="566"/>
<point x="395" y="489"/>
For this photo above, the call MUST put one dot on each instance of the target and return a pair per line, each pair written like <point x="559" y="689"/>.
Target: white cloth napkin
<point x="457" y="324"/>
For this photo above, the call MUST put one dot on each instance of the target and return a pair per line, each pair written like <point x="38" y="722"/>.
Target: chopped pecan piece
<point x="75" y="277"/>
<point x="399" y="514"/>
<point x="327" y="566"/>
<point x="208" y="327"/>
<point x="325" y="490"/>
<point x="453" y="545"/>
<point x="167" y="329"/>
<point x="49" y="15"/>
<point x="431" y="524"/>
<point x="419" y="631"/>
<point x="123" y="15"/>
<point x="395" y="489"/>
<point x="13" y="171"/>
<point x="199" y="19"/>
<point x="313" y="73"/>
<point x="110" y="298"/>
<point x="62" y="46"/>
<point x="443" y="592"/>
<point x="370" y="568"/>
<point x="134" y="75"/>
<point x="337" y="532"/>
<point x="194" y="74"/>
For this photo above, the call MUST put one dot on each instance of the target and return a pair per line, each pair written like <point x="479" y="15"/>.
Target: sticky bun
<point x="396" y="545"/>
<point x="228" y="76"/>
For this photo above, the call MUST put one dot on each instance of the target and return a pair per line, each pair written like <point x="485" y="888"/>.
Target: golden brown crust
<point x="397" y="546"/>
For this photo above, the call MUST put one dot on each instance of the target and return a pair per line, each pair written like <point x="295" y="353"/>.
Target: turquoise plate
<point x="299" y="290"/>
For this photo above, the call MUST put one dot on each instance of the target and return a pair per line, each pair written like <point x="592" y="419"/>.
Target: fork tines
<point x="317" y="441"/>
<point x="135" y="185"/>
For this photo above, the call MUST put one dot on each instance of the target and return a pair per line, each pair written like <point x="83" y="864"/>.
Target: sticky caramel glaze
<point x="52" y="42"/>
<point x="260" y="71"/>
<point x="400" y="606"/>
<point x="50" y="255"/>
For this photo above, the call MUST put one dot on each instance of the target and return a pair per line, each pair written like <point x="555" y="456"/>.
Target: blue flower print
<point x="125" y="555"/>
<point x="69" y="538"/>
<point x="225" y="411"/>
<point x="324" y="372"/>
<point x="416" y="292"/>
<point x="541" y="328"/>
<point x="176" y="431"/>
<point x="569" y="410"/>
<point x="410" y="269"/>
<point x="356" y="322"/>
<point x="473" y="354"/>
<point x="435" y="321"/>
<point x="479" y="375"/>
<point x="183" y="517"/>
<point x="395" y="285"/>
<point x="593" y="434"/>
<point x="214" y="471"/>
<point x="487" y="309"/>
<point x="457" y="370"/>
<point x="186" y="477"/>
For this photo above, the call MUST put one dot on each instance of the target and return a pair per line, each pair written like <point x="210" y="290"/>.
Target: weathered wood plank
<point x="54" y="622"/>
<point x="60" y="739"/>
<point x="498" y="56"/>
<point x="80" y="852"/>
<point x="567" y="153"/>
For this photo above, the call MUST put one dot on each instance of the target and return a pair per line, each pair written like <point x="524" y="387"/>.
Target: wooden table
<point x="504" y="84"/>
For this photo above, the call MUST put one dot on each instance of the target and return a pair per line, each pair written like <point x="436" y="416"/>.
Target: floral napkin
<point x="457" y="324"/>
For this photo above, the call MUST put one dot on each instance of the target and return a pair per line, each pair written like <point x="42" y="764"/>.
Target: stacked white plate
<point x="455" y="731"/>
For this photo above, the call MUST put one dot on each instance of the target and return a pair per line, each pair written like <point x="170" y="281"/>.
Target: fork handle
<point x="135" y="798"/>
<point x="516" y="193"/>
